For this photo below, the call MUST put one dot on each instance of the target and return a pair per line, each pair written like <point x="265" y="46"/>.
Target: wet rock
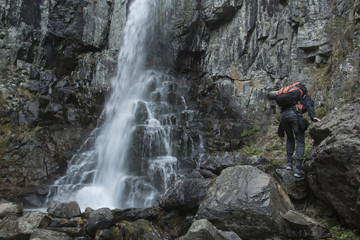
<point x="64" y="209"/>
<point x="185" y="194"/>
<point x="133" y="214"/>
<point x="140" y="229"/>
<point x="141" y="112"/>
<point x="221" y="160"/>
<point x="295" y="188"/>
<point x="203" y="230"/>
<point x="20" y="227"/>
<point x="298" y="225"/>
<point x="247" y="201"/>
<point x="9" y="208"/>
<point x="333" y="166"/>
<point x="98" y="219"/>
<point x="217" y="162"/>
<point x="45" y="234"/>
<point x="207" y="173"/>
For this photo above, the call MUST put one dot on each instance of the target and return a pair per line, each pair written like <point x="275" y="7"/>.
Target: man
<point x="292" y="123"/>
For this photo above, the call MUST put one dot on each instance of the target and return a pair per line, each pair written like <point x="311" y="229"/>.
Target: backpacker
<point x="288" y="96"/>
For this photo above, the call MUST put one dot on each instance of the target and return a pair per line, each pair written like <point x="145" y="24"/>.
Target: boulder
<point x="132" y="214"/>
<point x="64" y="209"/>
<point x="14" y="228"/>
<point x="45" y="234"/>
<point x="221" y="160"/>
<point x="333" y="166"/>
<point x="98" y="219"/>
<point x="295" y="188"/>
<point x="203" y="230"/>
<point x="298" y="225"/>
<point x="247" y="201"/>
<point x="185" y="194"/>
<point x="8" y="208"/>
<point x="140" y="229"/>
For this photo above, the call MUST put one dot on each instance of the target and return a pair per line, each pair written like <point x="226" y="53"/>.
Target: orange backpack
<point x="290" y="95"/>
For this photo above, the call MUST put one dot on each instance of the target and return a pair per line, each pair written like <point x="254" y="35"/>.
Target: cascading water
<point x="134" y="155"/>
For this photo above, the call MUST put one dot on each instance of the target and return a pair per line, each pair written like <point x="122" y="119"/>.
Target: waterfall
<point x="133" y="157"/>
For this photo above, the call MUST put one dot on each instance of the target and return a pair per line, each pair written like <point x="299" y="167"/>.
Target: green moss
<point x="274" y="147"/>
<point x="12" y="132"/>
<point x="250" y="132"/>
<point x="130" y="228"/>
<point x="339" y="233"/>
<point x="320" y="112"/>
<point x="250" y="150"/>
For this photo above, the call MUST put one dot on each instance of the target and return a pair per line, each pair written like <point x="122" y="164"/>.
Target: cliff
<point x="57" y="59"/>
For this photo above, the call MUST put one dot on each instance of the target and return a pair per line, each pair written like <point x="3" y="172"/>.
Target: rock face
<point x="247" y="201"/>
<point x="57" y="57"/>
<point x="334" y="163"/>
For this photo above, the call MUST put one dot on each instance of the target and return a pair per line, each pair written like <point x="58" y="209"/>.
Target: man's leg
<point x="300" y="150"/>
<point x="290" y="140"/>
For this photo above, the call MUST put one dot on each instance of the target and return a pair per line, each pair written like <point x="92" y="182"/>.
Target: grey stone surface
<point x="247" y="201"/>
<point x="333" y="165"/>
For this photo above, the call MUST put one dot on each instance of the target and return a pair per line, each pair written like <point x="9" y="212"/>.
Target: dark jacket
<point x="307" y="105"/>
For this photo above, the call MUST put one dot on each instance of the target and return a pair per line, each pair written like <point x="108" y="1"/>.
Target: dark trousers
<point x="289" y="119"/>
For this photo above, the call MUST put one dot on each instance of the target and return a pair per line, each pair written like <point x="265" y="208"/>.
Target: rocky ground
<point x="239" y="197"/>
<point x="54" y="75"/>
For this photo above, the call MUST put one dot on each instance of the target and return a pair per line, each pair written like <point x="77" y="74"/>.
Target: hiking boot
<point x="299" y="173"/>
<point x="289" y="166"/>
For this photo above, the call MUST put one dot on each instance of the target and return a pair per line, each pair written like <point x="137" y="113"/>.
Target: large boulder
<point x="247" y="201"/>
<point x="203" y="230"/>
<point x="333" y="169"/>
<point x="140" y="229"/>
<point x="13" y="227"/>
<point x="298" y="225"/>
<point x="44" y="234"/>
<point x="99" y="219"/>
<point x="295" y="188"/>
<point x="185" y="194"/>
<point x="7" y="208"/>
<point x="64" y="209"/>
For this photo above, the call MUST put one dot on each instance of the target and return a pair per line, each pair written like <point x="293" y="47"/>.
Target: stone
<point x="333" y="165"/>
<point x="20" y="227"/>
<point x="140" y="229"/>
<point x="7" y="208"/>
<point x="64" y="209"/>
<point x="295" y="188"/>
<point x="203" y="230"/>
<point x="98" y="219"/>
<point x="185" y="194"/>
<point x="217" y="162"/>
<point x="45" y="234"/>
<point x="133" y="214"/>
<point x="298" y="225"/>
<point x="246" y="201"/>
<point x="219" y="12"/>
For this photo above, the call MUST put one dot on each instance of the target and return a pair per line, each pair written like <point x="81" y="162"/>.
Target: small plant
<point x="250" y="150"/>
<point x="320" y="112"/>
<point x="250" y="132"/>
<point x="339" y="233"/>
